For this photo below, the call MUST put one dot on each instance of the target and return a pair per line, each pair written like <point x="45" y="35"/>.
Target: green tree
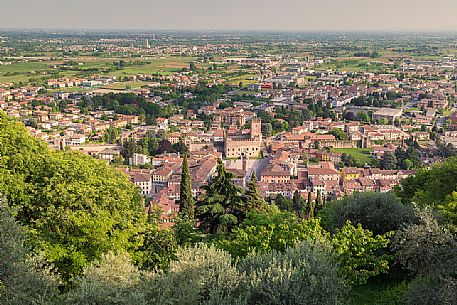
<point x="357" y="252"/>
<point x="377" y="212"/>
<point x="75" y="206"/>
<point x="428" y="250"/>
<point x="157" y="248"/>
<point x="23" y="280"/>
<point x="186" y="200"/>
<point x="298" y="203"/>
<point x="428" y="247"/>
<point x="434" y="187"/>
<point x="111" y="135"/>
<point x="267" y="130"/>
<point x="253" y="202"/>
<point x="129" y="148"/>
<point x="318" y="200"/>
<point x="262" y="233"/>
<point x="284" y="203"/>
<point x="339" y="134"/>
<point x="221" y="207"/>
<point x="388" y="161"/>
<point x="311" y="205"/>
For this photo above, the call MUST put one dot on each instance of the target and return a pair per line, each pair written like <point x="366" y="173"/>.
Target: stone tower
<point x="256" y="128"/>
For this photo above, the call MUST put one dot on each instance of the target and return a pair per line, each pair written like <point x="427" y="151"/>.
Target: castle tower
<point x="256" y="128"/>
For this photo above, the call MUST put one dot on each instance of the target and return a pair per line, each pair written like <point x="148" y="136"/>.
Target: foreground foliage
<point x="377" y="212"/>
<point x="436" y="188"/>
<point x="23" y="279"/>
<point x="76" y="207"/>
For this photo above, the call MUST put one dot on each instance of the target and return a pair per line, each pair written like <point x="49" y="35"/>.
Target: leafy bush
<point x="200" y="275"/>
<point x="111" y="280"/>
<point x="304" y="274"/>
<point x="432" y="291"/>
<point x="262" y="233"/>
<point x="428" y="247"/>
<point x="357" y="252"/>
<point x="377" y="212"/>
<point x="429" y="251"/>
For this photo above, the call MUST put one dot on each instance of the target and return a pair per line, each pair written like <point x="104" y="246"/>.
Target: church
<point x="244" y="144"/>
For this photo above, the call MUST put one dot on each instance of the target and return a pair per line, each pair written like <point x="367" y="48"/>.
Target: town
<point x="228" y="152"/>
<point x="316" y="122"/>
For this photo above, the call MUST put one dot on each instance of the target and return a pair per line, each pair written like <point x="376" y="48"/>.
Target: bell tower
<point x="256" y="128"/>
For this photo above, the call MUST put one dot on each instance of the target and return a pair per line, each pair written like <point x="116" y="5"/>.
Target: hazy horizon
<point x="233" y="15"/>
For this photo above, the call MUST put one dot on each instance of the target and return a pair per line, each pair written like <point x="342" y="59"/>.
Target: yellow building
<point x="350" y="173"/>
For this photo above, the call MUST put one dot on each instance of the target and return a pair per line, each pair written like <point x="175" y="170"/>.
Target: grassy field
<point x="412" y="109"/>
<point x="163" y="66"/>
<point x="125" y="85"/>
<point x="245" y="79"/>
<point x="361" y="155"/>
<point x="70" y="90"/>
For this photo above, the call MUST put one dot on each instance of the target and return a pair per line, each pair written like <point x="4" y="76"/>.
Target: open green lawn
<point x="23" y="71"/>
<point x="412" y="109"/>
<point x="245" y="79"/>
<point x="361" y="155"/>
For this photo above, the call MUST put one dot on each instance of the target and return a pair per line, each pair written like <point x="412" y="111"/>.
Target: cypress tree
<point x="311" y="206"/>
<point x="186" y="202"/>
<point x="297" y="201"/>
<point x="319" y="199"/>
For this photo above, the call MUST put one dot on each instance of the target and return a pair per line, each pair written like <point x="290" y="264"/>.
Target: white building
<point x="139" y="159"/>
<point x="75" y="140"/>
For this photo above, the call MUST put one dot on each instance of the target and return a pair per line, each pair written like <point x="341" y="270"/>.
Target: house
<point x="143" y="181"/>
<point x="75" y="140"/>
<point x="274" y="173"/>
<point x="162" y="123"/>
<point x="139" y="159"/>
<point x="389" y="114"/>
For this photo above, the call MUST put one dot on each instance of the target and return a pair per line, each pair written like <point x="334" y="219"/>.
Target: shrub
<point x="111" y="280"/>
<point x="304" y="274"/>
<point x="377" y="212"/>
<point x="200" y="275"/>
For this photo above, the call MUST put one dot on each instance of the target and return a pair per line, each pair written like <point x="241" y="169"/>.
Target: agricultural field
<point x="82" y="66"/>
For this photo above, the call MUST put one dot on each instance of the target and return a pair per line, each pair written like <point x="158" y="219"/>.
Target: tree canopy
<point x="436" y="187"/>
<point x="377" y="212"/>
<point x="222" y="207"/>
<point x="76" y="207"/>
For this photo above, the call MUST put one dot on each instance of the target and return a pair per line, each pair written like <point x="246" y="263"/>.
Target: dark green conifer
<point x="186" y="201"/>
<point x="253" y="201"/>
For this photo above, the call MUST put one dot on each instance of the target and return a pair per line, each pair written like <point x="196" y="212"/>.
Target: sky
<point x="283" y="15"/>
